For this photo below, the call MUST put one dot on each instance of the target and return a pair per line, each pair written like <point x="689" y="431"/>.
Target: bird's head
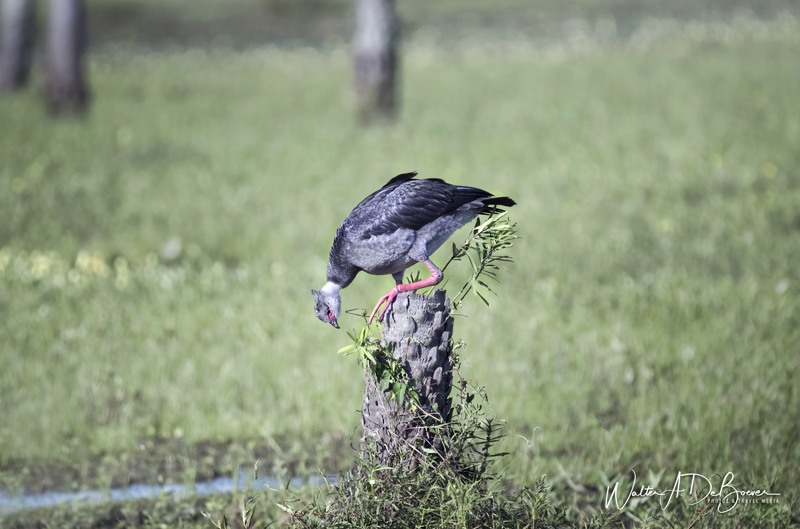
<point x="327" y="303"/>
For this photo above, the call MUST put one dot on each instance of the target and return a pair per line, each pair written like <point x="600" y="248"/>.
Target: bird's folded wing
<point x="415" y="204"/>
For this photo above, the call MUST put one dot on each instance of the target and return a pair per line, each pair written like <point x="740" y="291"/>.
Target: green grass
<point x="651" y="321"/>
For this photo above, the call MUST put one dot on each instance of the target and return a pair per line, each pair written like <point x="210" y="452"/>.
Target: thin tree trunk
<point x="418" y="333"/>
<point x="16" y="43"/>
<point x="65" y="85"/>
<point x="376" y="60"/>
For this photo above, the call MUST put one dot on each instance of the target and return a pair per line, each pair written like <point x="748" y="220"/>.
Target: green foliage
<point x="430" y="499"/>
<point x="366" y="345"/>
<point x="484" y="249"/>
<point x="246" y="517"/>
<point x="386" y="369"/>
<point x="431" y="493"/>
<point x="475" y="434"/>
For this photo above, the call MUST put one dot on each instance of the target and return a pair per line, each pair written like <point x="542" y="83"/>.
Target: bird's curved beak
<point x="334" y="322"/>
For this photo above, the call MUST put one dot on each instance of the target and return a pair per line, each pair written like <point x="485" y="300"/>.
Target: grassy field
<point x="156" y="260"/>
<point x="244" y="23"/>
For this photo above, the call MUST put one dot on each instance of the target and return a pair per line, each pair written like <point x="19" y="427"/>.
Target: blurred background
<point x="173" y="173"/>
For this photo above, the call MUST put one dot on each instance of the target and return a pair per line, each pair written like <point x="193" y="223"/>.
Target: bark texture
<point x="417" y="332"/>
<point x="376" y="60"/>
<point x="17" y="35"/>
<point x="65" y="83"/>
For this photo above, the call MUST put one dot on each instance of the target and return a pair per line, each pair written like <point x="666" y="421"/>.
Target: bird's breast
<point x="383" y="254"/>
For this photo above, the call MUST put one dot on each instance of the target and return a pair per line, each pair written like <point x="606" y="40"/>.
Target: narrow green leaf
<point x="346" y="350"/>
<point x="366" y="354"/>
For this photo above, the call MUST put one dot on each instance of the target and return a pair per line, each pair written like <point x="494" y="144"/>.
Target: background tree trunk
<point x="417" y="332"/>
<point x="16" y="43"/>
<point x="65" y="85"/>
<point x="376" y="61"/>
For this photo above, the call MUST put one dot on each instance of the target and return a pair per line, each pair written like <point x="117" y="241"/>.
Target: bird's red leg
<point x="388" y="298"/>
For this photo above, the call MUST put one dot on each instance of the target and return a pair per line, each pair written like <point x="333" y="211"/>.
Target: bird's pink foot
<point x="387" y="298"/>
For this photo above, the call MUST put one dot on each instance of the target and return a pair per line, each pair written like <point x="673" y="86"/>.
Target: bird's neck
<point x="340" y="272"/>
<point x="330" y="288"/>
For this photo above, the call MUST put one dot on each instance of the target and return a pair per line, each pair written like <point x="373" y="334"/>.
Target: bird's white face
<point x="327" y="305"/>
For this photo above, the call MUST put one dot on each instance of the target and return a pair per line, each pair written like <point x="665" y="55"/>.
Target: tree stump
<point x="16" y="43"/>
<point x="65" y="82"/>
<point x="417" y="332"/>
<point x="376" y="59"/>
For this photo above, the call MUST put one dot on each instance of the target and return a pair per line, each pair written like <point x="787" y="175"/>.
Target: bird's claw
<point x="387" y="298"/>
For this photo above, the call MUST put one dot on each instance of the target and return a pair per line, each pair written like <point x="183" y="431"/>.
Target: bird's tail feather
<point x="490" y="205"/>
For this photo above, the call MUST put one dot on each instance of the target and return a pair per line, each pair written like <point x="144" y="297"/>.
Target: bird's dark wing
<point x="387" y="188"/>
<point x="411" y="204"/>
<point x="399" y="179"/>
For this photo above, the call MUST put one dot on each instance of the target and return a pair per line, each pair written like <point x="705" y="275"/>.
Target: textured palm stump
<point x="417" y="332"/>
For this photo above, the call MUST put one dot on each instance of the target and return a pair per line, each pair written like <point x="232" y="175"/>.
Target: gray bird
<point x="399" y="225"/>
